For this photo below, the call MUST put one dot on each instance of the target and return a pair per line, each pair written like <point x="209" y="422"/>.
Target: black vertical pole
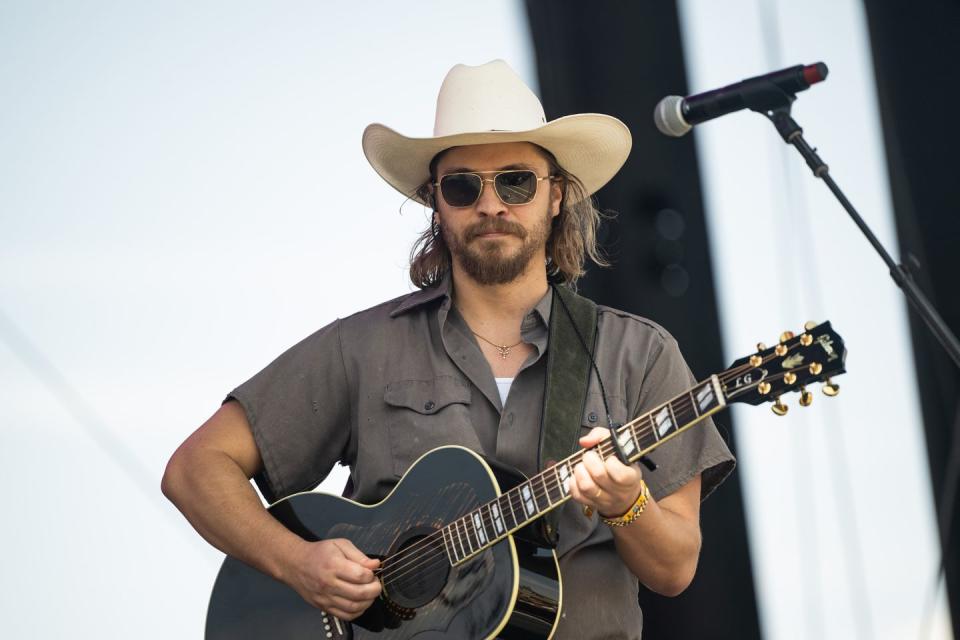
<point x="620" y="58"/>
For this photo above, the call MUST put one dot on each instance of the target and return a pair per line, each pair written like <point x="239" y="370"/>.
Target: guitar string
<point x="546" y="480"/>
<point x="435" y="552"/>
<point x="416" y="553"/>
<point x="686" y="409"/>
<point x="437" y="547"/>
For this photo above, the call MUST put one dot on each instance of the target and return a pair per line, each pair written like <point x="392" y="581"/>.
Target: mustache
<point x="494" y="225"/>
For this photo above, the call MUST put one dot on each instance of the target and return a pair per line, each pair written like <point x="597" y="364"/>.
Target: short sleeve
<point x="299" y="410"/>
<point x="698" y="450"/>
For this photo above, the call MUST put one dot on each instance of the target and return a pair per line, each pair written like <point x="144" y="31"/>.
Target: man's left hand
<point x="607" y="485"/>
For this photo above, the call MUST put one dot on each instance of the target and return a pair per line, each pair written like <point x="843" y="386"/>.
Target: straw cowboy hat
<point x="490" y="103"/>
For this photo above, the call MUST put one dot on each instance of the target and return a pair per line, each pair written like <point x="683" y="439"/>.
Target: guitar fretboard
<point x="491" y="522"/>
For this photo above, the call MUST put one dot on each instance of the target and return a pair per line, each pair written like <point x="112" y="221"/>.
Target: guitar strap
<point x="565" y="385"/>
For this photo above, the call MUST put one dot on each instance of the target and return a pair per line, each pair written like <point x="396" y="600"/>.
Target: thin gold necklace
<point x="502" y="349"/>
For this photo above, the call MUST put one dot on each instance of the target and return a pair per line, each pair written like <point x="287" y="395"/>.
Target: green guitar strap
<point x="565" y="390"/>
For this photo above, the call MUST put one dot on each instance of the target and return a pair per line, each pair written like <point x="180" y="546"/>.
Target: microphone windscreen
<point x="668" y="116"/>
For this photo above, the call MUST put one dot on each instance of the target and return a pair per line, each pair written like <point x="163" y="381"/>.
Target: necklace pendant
<point x="504" y="351"/>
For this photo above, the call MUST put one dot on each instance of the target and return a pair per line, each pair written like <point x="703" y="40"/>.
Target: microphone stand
<point x="774" y="103"/>
<point x="792" y="134"/>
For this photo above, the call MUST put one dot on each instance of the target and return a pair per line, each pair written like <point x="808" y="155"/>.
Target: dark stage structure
<point x="621" y="58"/>
<point x="597" y="57"/>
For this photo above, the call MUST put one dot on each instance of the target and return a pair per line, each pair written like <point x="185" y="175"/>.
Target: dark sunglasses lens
<point x="460" y="189"/>
<point x="516" y="187"/>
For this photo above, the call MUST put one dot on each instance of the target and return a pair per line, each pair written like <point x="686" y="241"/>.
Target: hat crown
<point x="487" y="97"/>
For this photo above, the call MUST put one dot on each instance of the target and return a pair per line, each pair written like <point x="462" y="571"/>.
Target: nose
<point x="489" y="203"/>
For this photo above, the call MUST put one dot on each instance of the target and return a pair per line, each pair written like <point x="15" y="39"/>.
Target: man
<point x="462" y="361"/>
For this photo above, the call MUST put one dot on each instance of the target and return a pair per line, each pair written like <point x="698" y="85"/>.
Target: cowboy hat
<point x="490" y="103"/>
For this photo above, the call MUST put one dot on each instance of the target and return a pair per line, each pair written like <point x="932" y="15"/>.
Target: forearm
<point x="215" y="495"/>
<point x="661" y="548"/>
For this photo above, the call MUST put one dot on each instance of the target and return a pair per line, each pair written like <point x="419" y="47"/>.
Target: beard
<point x="488" y="261"/>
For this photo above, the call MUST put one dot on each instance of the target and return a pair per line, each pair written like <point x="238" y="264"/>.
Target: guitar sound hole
<point x="417" y="570"/>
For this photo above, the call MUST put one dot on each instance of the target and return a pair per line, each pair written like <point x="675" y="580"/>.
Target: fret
<point x="633" y="432"/>
<point x="627" y="443"/>
<point x="653" y="428"/>
<point x="563" y="474"/>
<point x="513" y="514"/>
<point x="466" y="531"/>
<point x="478" y="528"/>
<point x="488" y="525"/>
<point x="672" y="414"/>
<point x="448" y="545"/>
<point x="693" y="403"/>
<point x="529" y="506"/>
<point x="706" y="397"/>
<point x="554" y="489"/>
<point x="496" y="519"/>
<point x="539" y="499"/>
<point x="456" y="529"/>
<point x="664" y="422"/>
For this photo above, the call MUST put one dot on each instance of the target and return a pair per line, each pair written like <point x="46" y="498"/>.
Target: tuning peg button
<point x="779" y="408"/>
<point x="830" y="388"/>
<point x="806" y="398"/>
<point x="786" y="335"/>
<point x="809" y="325"/>
<point x="761" y="346"/>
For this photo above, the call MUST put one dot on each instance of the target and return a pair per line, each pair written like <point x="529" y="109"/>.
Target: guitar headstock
<point x="815" y="355"/>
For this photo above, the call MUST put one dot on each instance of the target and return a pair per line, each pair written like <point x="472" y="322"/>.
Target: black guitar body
<point x="510" y="590"/>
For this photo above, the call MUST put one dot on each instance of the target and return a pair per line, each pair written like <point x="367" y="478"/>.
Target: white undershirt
<point x="503" y="386"/>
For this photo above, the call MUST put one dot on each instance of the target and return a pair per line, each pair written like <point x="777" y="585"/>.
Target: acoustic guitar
<point x="459" y="558"/>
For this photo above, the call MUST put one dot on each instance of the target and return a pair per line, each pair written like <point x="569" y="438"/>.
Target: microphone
<point x="675" y="116"/>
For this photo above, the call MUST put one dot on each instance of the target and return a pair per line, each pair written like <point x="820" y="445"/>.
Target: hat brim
<point x="591" y="146"/>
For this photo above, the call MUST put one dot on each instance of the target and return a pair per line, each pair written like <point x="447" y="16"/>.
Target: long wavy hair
<point x="573" y="234"/>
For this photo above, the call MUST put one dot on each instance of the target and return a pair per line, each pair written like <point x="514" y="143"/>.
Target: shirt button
<point x="429" y="405"/>
<point x="592" y="417"/>
<point x="510" y="418"/>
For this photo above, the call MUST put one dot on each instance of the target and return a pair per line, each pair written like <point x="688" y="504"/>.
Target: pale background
<point x="183" y="195"/>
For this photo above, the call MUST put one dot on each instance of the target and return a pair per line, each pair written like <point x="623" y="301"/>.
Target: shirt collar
<point x="540" y="311"/>
<point x="424" y="296"/>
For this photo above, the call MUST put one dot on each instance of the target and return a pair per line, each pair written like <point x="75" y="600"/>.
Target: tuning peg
<point x="780" y="349"/>
<point x="789" y="377"/>
<point x="806" y="398"/>
<point x="763" y="388"/>
<point x="815" y="368"/>
<point x="830" y="388"/>
<point x="806" y="339"/>
<point x="761" y="346"/>
<point x="779" y="408"/>
<point x="809" y="325"/>
<point x="755" y="360"/>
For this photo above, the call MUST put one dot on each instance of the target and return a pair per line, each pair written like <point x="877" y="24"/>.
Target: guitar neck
<point x="514" y="509"/>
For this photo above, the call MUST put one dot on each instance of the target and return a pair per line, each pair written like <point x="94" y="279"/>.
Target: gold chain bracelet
<point x="635" y="510"/>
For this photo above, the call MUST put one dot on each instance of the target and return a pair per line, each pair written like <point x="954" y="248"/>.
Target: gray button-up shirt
<point x="378" y="389"/>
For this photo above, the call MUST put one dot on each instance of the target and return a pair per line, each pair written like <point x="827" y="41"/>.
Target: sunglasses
<point x="513" y="187"/>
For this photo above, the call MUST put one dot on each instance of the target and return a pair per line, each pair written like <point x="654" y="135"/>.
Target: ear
<point x="556" y="197"/>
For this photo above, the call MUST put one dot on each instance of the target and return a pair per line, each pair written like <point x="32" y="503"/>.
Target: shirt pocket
<point x="426" y="414"/>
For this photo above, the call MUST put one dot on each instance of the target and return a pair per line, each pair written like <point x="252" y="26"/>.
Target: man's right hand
<point x="335" y="576"/>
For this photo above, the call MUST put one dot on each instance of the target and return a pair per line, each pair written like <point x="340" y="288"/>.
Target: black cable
<point x="617" y="448"/>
